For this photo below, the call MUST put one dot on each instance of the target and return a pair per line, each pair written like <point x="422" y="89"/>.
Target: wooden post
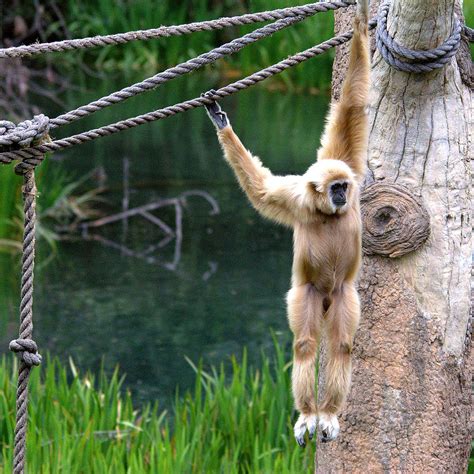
<point x="410" y="402"/>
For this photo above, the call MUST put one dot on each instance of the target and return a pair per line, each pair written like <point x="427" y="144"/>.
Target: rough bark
<point x="410" y="403"/>
<point x="395" y="221"/>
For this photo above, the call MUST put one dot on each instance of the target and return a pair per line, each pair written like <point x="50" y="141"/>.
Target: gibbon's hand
<point x="216" y="114"/>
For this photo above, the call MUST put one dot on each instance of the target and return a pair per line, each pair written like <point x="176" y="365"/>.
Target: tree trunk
<point x="410" y="402"/>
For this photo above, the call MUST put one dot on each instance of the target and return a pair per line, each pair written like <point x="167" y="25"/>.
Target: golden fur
<point x="327" y="240"/>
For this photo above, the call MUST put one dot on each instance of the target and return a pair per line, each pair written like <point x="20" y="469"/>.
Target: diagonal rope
<point x="164" y="31"/>
<point x="30" y="132"/>
<point x="196" y="63"/>
<point x="24" y="345"/>
<point x="33" y="156"/>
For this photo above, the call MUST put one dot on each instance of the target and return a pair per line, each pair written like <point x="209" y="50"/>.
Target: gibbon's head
<point x="332" y="184"/>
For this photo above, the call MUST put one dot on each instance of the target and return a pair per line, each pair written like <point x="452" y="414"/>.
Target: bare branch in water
<point x="144" y="211"/>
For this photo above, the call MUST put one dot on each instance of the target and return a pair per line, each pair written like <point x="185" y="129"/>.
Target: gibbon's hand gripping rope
<point x="33" y="156"/>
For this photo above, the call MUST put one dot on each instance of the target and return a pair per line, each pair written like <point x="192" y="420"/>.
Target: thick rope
<point x="469" y="33"/>
<point x="24" y="133"/>
<point x="24" y="345"/>
<point x="33" y="156"/>
<point x="410" y="60"/>
<point x="196" y="63"/>
<point x="164" y="31"/>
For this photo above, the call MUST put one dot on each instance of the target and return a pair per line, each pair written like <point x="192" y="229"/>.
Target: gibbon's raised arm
<point x="275" y="197"/>
<point x="346" y="133"/>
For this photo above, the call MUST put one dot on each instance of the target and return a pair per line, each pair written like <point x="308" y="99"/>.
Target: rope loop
<point x="468" y="33"/>
<point x="27" y="350"/>
<point x="25" y="134"/>
<point x="411" y="60"/>
<point x="23" y="167"/>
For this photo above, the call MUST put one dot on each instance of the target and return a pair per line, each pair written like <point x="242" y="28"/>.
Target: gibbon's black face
<point x="337" y="193"/>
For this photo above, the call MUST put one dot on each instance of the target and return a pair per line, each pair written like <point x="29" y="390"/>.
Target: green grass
<point x="59" y="202"/>
<point x="234" y="421"/>
<point x="10" y="188"/>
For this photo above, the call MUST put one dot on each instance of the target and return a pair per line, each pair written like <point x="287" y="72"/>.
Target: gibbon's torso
<point x="327" y="251"/>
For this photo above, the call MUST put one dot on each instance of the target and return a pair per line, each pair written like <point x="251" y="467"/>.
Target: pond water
<point x="103" y="301"/>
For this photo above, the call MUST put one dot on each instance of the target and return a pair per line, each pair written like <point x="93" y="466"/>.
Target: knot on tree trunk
<point x="394" y="221"/>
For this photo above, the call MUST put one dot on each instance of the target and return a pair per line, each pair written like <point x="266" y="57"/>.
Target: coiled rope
<point x="411" y="60"/>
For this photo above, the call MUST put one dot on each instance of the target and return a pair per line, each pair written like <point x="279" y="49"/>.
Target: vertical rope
<point x="24" y="345"/>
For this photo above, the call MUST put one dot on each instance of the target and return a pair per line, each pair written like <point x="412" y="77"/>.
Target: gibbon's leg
<point x="341" y="322"/>
<point x="305" y="308"/>
<point x="346" y="134"/>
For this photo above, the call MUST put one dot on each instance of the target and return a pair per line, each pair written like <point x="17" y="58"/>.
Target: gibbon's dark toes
<point x="325" y="437"/>
<point x="305" y="423"/>
<point x="329" y="427"/>
<point x="301" y="442"/>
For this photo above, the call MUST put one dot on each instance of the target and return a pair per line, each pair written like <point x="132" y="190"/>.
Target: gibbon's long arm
<point x="346" y="133"/>
<point x="275" y="197"/>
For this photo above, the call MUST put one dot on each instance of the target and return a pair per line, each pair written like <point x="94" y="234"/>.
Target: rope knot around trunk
<point x="27" y="350"/>
<point x="25" y="134"/>
<point x="411" y="60"/>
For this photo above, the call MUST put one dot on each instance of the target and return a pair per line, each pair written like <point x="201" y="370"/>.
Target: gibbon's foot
<point x="216" y="114"/>
<point x="329" y="427"/>
<point x="305" y="423"/>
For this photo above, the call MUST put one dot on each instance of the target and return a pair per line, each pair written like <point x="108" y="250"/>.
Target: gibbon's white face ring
<point x="338" y="195"/>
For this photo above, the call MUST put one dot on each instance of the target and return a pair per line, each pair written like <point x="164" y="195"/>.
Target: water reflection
<point x="145" y="212"/>
<point x="228" y="287"/>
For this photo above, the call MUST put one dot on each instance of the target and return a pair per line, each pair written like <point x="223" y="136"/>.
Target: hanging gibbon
<point x="322" y="208"/>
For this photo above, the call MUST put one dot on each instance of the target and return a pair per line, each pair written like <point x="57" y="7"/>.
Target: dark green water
<point x="92" y="302"/>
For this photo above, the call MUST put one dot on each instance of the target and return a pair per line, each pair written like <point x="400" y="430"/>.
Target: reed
<point x="237" y="419"/>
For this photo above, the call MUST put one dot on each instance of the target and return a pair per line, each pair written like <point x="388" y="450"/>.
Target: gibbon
<point x="322" y="207"/>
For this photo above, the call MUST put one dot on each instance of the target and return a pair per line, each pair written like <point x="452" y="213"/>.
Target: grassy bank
<point x="233" y="421"/>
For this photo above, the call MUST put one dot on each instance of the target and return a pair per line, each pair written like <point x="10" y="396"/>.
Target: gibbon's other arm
<point x="275" y="197"/>
<point x="346" y="133"/>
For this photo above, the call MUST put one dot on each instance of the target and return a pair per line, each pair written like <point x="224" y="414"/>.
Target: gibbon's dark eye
<point x="337" y="187"/>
